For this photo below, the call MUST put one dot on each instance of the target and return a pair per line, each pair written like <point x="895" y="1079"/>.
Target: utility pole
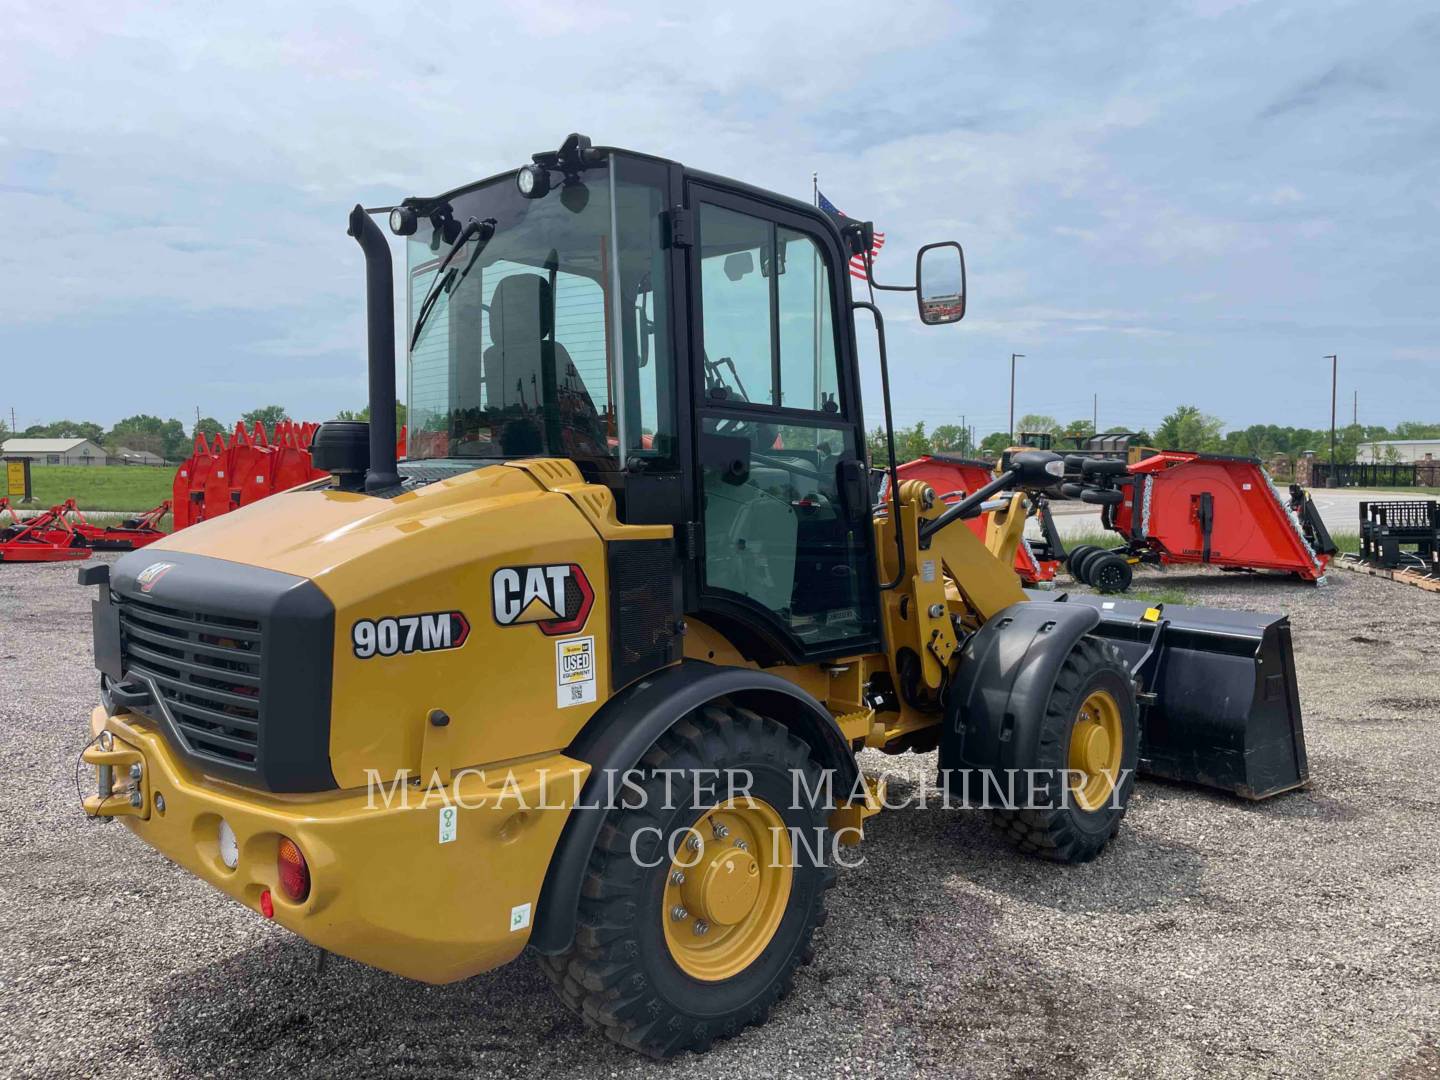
<point x="1334" y="371"/>
<point x="1094" y="414"/>
<point x="964" y="435"/>
<point x="1355" y="411"/>
<point x="1013" y="357"/>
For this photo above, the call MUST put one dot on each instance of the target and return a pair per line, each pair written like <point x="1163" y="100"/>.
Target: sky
<point x="1160" y="203"/>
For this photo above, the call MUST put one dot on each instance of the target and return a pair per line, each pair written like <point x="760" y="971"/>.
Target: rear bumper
<point x="384" y="889"/>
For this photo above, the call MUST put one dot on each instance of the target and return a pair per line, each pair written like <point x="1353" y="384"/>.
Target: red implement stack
<point x="217" y="477"/>
<point x="220" y="476"/>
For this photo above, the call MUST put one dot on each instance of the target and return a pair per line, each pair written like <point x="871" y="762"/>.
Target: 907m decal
<point x="402" y="634"/>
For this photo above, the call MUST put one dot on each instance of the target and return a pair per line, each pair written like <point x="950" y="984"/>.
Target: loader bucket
<point x="1220" y="705"/>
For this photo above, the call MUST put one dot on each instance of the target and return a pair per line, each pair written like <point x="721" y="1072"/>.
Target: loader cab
<point x="688" y="342"/>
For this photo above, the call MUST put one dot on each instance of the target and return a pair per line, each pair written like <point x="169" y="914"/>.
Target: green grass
<point x="102" y="487"/>
<point x="1101" y="538"/>
<point x="1347" y="541"/>
<point x="1157" y="597"/>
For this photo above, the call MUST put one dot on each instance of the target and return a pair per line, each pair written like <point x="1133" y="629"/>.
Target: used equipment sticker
<point x="574" y="672"/>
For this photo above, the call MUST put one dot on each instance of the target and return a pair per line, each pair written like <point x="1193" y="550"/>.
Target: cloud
<point x="1175" y="189"/>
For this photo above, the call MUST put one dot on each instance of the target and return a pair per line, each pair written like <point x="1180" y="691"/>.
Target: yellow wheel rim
<point x="726" y="889"/>
<point x="1096" y="742"/>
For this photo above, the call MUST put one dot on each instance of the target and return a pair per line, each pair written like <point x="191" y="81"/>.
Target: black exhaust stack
<point x="380" y="322"/>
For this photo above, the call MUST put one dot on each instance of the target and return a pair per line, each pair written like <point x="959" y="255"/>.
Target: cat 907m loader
<point x="426" y="713"/>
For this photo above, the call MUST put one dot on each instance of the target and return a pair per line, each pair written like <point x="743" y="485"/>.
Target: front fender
<point x="1006" y="676"/>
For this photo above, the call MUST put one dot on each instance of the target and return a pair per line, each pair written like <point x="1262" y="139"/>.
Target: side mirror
<point x="940" y="283"/>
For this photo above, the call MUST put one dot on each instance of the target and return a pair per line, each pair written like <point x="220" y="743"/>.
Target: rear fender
<point x="625" y="727"/>
<point x="1006" y="676"/>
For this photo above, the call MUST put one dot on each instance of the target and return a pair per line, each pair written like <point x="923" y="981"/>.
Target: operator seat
<point x="523" y="350"/>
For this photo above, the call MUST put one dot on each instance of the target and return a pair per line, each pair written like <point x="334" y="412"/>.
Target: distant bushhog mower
<point x="1177" y="507"/>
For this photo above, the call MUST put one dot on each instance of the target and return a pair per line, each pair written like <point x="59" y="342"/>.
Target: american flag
<point x="857" y="262"/>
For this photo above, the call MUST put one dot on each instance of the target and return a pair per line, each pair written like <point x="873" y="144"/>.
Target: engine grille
<point x="206" y="670"/>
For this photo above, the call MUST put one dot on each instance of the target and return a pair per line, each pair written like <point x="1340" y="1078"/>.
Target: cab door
<point x="787" y="566"/>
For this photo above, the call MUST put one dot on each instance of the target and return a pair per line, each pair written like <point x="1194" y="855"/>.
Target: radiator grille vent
<point x="206" y="670"/>
<point x="644" y="608"/>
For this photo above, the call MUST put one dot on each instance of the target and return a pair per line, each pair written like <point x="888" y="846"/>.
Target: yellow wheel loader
<point x="589" y="669"/>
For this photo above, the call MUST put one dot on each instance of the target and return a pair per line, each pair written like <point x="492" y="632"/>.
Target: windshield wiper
<point x="481" y="232"/>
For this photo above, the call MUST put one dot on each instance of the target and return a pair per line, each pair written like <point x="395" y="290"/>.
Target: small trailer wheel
<point x="1072" y="561"/>
<point x="1086" y="565"/>
<point x="1110" y="573"/>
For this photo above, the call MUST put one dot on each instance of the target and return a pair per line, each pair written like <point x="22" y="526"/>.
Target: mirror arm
<point x="889" y="437"/>
<point x="870" y="273"/>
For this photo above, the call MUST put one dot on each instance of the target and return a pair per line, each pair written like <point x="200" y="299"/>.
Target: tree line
<point x="170" y="439"/>
<point x="1187" y="428"/>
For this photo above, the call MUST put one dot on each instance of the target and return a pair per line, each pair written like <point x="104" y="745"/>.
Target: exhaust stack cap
<point x="342" y="448"/>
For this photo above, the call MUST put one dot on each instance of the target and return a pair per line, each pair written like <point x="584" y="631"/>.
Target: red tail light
<point x="294" y="873"/>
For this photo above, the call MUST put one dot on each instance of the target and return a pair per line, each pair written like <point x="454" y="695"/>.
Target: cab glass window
<point x="769" y="329"/>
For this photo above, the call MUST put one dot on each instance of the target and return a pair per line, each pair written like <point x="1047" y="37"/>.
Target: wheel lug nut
<point x="679" y="914"/>
<point x="677" y="878"/>
<point x="742" y="845"/>
<point x="721" y="832"/>
<point x="693" y="843"/>
<point x="701" y="926"/>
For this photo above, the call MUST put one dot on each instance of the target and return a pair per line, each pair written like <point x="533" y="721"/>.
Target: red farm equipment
<point x="1176" y="507"/>
<point x="44" y="537"/>
<point x="131" y="533"/>
<point x="253" y="464"/>
<point x="955" y="477"/>
<point x="63" y="533"/>
<point x="221" y="475"/>
<point x="191" y="479"/>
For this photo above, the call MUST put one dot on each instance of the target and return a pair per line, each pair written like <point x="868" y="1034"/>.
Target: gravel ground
<point x="1297" y="937"/>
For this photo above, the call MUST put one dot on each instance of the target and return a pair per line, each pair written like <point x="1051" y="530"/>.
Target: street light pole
<point x="1013" y="357"/>
<point x="1334" y="371"/>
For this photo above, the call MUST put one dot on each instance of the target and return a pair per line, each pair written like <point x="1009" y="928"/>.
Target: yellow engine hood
<point x="437" y="549"/>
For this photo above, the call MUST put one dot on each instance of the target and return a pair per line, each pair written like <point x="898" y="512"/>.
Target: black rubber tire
<point x="1057" y="828"/>
<point x="1098" y="496"/>
<point x="618" y="975"/>
<point x="1109" y="574"/>
<point x="1072" y="561"/>
<point x="1105" y="467"/>
<point x="1071" y="490"/>
<point x="1082" y="566"/>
